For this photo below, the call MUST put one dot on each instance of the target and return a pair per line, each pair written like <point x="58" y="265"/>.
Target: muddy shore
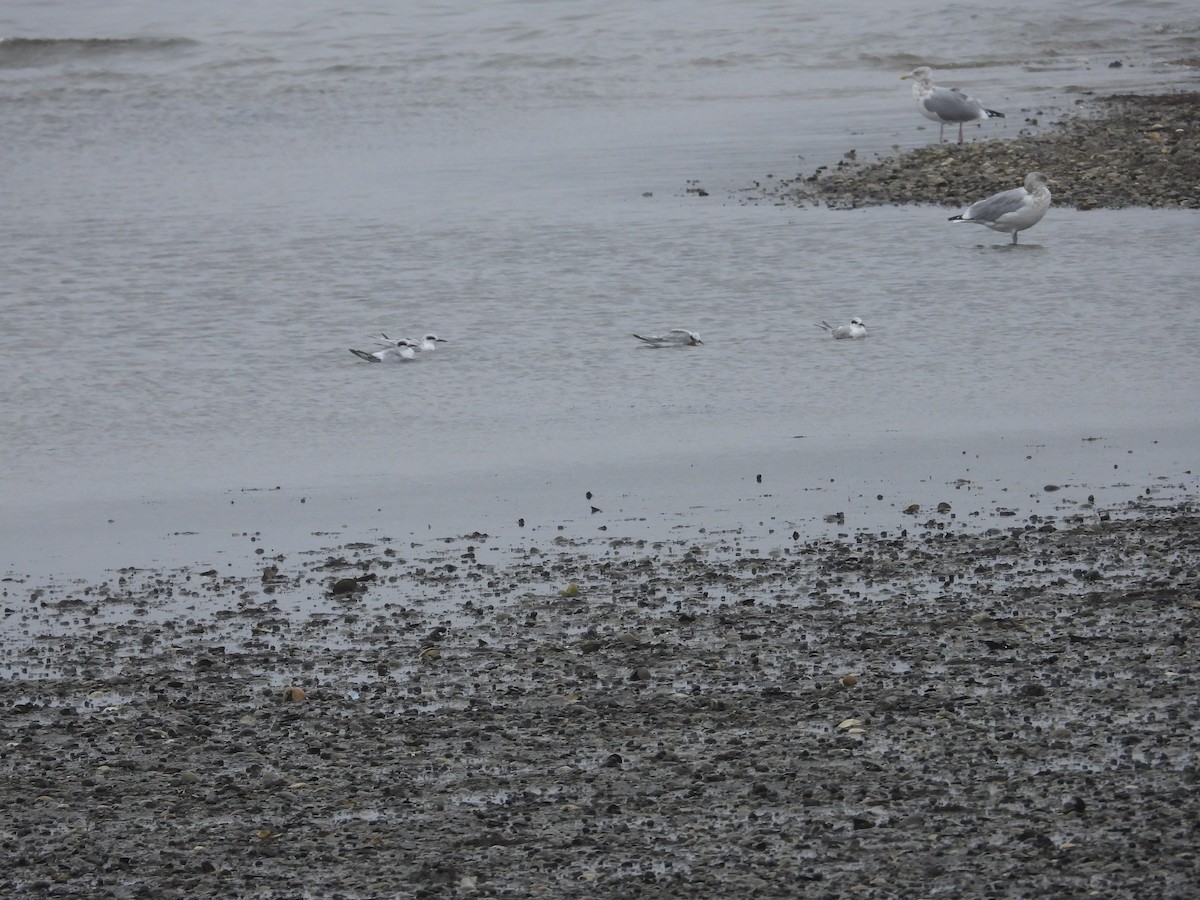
<point x="997" y="712"/>
<point x="1109" y="152"/>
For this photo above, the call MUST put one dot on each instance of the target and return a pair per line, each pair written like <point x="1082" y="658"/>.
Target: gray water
<point x="202" y="209"/>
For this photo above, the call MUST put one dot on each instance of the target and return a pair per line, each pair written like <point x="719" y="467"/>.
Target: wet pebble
<point x="1107" y="152"/>
<point x="700" y="720"/>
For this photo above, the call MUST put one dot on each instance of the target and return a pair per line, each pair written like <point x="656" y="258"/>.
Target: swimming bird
<point x="430" y="342"/>
<point x="676" y="337"/>
<point x="945" y="105"/>
<point x="856" y="329"/>
<point x="1013" y="210"/>
<point x="398" y="351"/>
<point x="427" y="343"/>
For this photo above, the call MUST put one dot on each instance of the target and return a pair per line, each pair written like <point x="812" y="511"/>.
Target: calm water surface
<point x="203" y="210"/>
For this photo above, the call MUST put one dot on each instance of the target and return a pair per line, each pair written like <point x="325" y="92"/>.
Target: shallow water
<point x="206" y="211"/>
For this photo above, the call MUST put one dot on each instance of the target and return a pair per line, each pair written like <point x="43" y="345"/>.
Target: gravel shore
<point x="1117" y="151"/>
<point x="1000" y="712"/>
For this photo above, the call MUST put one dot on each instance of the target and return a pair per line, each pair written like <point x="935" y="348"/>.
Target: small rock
<point x="345" y="586"/>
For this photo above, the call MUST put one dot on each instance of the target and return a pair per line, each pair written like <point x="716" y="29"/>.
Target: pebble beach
<point x="999" y="713"/>
<point x="1109" y="152"/>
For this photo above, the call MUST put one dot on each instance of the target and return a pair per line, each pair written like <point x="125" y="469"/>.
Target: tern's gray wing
<point x="681" y="336"/>
<point x="991" y="209"/>
<point x="953" y="106"/>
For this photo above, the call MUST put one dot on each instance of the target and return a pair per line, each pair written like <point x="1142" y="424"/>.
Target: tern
<point x="397" y="351"/>
<point x="676" y="337"/>
<point x="427" y="343"/>
<point x="856" y="329"/>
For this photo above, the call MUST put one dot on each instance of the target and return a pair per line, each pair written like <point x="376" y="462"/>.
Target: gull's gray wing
<point x="953" y="106"/>
<point x="991" y="209"/>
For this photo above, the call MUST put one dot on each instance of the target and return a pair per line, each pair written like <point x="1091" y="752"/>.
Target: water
<point x="203" y="209"/>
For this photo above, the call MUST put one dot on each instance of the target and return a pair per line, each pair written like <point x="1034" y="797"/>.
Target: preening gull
<point x="1014" y="210"/>
<point x="676" y="337"/>
<point x="945" y="105"/>
<point x="856" y="329"/>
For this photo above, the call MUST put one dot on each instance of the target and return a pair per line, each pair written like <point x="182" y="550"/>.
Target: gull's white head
<point x="1035" y="181"/>
<point x="857" y="321"/>
<point x="434" y="339"/>
<point x="921" y="74"/>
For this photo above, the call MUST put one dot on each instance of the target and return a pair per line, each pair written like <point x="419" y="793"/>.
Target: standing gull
<point x="1014" y="210"/>
<point x="856" y="329"/>
<point x="676" y="337"/>
<point x="945" y="105"/>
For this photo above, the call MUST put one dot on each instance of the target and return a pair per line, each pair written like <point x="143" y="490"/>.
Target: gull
<point x="1014" y="210"/>
<point x="944" y="105"/>
<point x="856" y="329"/>
<point x="676" y="337"/>
<point x="397" y="351"/>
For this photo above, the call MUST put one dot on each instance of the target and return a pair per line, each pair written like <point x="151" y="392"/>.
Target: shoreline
<point x="1118" y="151"/>
<point x="786" y="484"/>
